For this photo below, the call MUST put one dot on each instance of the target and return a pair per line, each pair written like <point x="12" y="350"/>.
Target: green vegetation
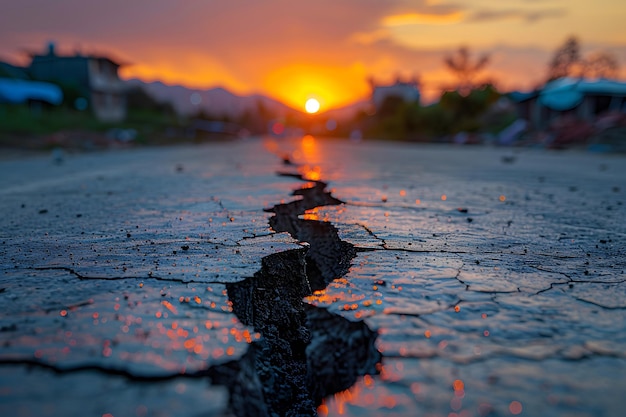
<point x="466" y="107"/>
<point x="453" y="113"/>
<point x="156" y="123"/>
<point x="28" y="120"/>
<point x="568" y="61"/>
<point x="27" y="123"/>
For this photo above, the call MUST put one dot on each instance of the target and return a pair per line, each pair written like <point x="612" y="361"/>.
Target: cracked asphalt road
<point x="494" y="278"/>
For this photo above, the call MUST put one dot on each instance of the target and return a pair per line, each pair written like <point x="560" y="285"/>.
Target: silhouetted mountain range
<point x="216" y="101"/>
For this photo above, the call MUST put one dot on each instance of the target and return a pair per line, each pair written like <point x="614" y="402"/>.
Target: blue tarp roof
<point x="21" y="91"/>
<point x="567" y="93"/>
<point x="519" y="96"/>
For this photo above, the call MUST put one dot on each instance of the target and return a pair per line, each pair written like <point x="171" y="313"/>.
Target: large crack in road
<point x="306" y="353"/>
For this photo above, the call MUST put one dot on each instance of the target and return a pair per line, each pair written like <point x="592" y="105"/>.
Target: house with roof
<point x="577" y="98"/>
<point x="406" y="90"/>
<point x="95" y="78"/>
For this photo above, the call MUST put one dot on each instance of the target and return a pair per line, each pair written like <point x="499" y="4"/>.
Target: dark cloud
<point x="427" y="8"/>
<point x="233" y="31"/>
<point x="545" y="14"/>
<point x="192" y="21"/>
<point x="529" y="16"/>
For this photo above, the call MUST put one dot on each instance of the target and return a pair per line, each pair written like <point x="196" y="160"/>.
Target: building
<point x="13" y="72"/>
<point x="406" y="90"/>
<point x="581" y="99"/>
<point x="94" y="78"/>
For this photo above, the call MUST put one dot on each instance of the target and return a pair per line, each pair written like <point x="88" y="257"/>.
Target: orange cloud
<point x="422" y="19"/>
<point x="189" y="68"/>
<point x="368" y="38"/>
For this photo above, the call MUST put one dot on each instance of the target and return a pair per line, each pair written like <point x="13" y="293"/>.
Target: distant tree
<point x="467" y="110"/>
<point x="465" y="68"/>
<point x="390" y="106"/>
<point x="567" y="61"/>
<point x="601" y="65"/>
<point x="257" y="119"/>
<point x="138" y="99"/>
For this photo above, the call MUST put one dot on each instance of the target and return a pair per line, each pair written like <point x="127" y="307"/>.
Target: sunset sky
<point x="292" y="50"/>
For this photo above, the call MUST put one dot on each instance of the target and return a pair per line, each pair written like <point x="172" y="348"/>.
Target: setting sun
<point x="312" y="105"/>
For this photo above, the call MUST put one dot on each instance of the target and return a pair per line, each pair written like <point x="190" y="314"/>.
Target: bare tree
<point x="601" y="65"/>
<point x="567" y="61"/>
<point x="465" y="68"/>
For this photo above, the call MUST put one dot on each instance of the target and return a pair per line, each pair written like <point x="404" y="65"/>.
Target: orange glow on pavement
<point x="169" y="306"/>
<point x="515" y="407"/>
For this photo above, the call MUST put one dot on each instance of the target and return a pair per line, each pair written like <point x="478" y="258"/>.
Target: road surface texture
<point x="273" y="277"/>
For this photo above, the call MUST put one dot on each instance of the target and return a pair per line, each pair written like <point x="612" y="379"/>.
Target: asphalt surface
<point x="490" y="281"/>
